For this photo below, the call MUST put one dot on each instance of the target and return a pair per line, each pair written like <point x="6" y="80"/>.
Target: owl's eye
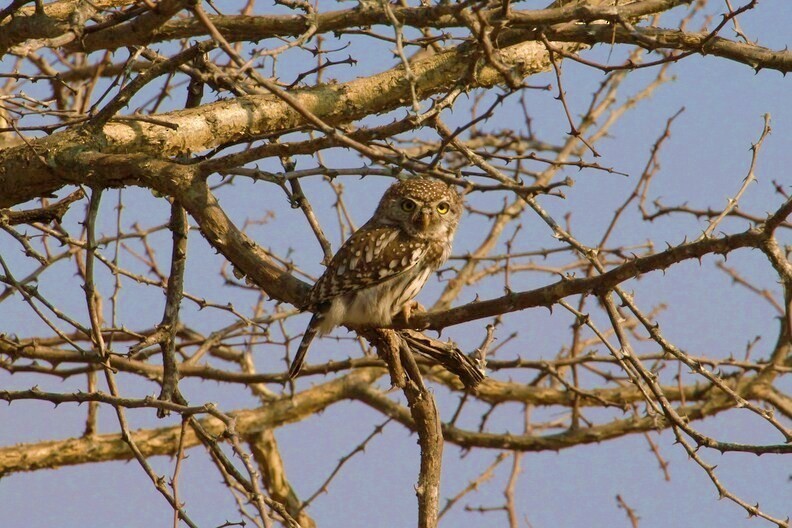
<point x="442" y="208"/>
<point x="408" y="205"/>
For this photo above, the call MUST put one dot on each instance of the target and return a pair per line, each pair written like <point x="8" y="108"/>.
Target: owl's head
<point x="422" y="208"/>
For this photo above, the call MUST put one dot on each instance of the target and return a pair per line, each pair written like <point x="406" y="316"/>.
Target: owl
<point x="381" y="268"/>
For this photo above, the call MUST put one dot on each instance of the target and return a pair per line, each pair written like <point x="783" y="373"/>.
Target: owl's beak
<point x="423" y="219"/>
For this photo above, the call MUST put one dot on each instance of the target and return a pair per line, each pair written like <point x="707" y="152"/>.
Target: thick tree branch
<point x="548" y="295"/>
<point x="554" y="442"/>
<point x="37" y="168"/>
<point x="757" y="57"/>
<point x="46" y="214"/>
<point x="165" y="441"/>
<point x="55" y="21"/>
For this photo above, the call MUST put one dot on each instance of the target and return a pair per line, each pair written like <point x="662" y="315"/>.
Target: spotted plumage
<point x="381" y="268"/>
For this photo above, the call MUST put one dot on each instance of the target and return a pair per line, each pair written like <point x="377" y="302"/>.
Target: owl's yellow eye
<point x="442" y="208"/>
<point x="408" y="205"/>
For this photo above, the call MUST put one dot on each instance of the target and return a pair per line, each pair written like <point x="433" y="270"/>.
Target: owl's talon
<point x="410" y="308"/>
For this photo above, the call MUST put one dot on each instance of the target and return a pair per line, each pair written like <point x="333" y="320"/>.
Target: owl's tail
<point x="310" y="333"/>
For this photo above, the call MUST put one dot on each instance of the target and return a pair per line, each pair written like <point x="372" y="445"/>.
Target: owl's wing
<point x="370" y="256"/>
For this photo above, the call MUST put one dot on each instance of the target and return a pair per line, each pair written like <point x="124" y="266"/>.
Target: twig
<point x="748" y="180"/>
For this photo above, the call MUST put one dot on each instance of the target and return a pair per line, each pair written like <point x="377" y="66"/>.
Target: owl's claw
<point x="408" y="309"/>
